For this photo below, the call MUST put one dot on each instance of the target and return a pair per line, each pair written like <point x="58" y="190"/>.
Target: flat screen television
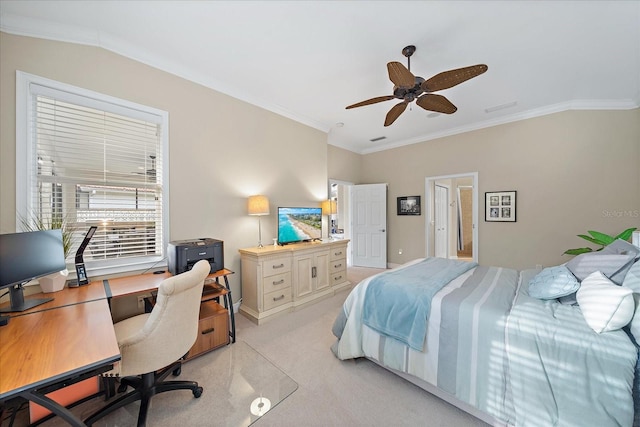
<point x="27" y="256"/>
<point x="299" y="224"/>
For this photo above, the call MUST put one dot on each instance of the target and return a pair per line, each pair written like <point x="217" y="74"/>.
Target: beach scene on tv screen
<point x="295" y="224"/>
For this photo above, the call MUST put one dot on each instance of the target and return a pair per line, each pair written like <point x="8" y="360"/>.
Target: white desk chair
<point x="153" y="344"/>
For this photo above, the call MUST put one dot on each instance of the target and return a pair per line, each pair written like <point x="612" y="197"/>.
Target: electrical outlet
<point x="140" y="302"/>
<point x="539" y="266"/>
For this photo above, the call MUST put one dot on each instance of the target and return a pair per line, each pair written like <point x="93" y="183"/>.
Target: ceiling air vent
<point x="380" y="138"/>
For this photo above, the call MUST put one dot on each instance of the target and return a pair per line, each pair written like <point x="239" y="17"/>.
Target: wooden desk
<point x="44" y="349"/>
<point x="72" y="338"/>
<point x="68" y="296"/>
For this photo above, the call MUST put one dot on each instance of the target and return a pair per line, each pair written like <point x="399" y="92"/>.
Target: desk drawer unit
<point x="213" y="329"/>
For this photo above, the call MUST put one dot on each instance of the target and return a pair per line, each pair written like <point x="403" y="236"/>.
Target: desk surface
<point x="142" y="283"/>
<point x="45" y="346"/>
<point x="67" y="296"/>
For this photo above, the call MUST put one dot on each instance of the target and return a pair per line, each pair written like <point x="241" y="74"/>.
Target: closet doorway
<point x="452" y="216"/>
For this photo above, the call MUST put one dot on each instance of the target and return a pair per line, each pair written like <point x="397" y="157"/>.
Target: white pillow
<point x="632" y="281"/>
<point x="605" y="305"/>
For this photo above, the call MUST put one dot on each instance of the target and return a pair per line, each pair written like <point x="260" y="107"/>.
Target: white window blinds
<point x="97" y="163"/>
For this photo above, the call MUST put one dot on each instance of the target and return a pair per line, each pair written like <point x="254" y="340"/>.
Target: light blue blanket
<point x="397" y="303"/>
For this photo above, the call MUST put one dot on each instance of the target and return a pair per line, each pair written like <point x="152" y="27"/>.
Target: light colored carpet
<point x="330" y="392"/>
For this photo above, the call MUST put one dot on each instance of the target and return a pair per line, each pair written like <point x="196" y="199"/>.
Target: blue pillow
<point x="553" y="282"/>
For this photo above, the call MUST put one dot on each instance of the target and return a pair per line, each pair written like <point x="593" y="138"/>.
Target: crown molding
<point x="578" y="104"/>
<point x="38" y="28"/>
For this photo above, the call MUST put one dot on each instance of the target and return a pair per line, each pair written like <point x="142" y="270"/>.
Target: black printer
<point x="183" y="254"/>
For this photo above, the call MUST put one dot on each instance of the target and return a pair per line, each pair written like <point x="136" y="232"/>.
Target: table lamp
<point x="328" y="209"/>
<point x="259" y="206"/>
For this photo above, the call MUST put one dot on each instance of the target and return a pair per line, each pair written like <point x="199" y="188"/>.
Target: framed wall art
<point x="500" y="206"/>
<point x="409" y="205"/>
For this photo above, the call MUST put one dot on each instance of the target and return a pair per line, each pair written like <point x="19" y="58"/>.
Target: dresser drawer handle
<point x="279" y="282"/>
<point x="337" y="253"/>
<point x="337" y="265"/>
<point x="338" y="278"/>
<point x="278" y="298"/>
<point x="208" y="331"/>
<point x="278" y="266"/>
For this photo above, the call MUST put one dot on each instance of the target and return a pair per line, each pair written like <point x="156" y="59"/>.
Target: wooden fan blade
<point x="450" y="78"/>
<point x="400" y="76"/>
<point x="394" y="113"/>
<point x="371" y="101"/>
<point x="439" y="103"/>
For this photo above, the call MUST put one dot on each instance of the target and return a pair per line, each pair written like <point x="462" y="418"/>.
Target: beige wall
<point x="573" y="171"/>
<point x="221" y="149"/>
<point x="344" y="165"/>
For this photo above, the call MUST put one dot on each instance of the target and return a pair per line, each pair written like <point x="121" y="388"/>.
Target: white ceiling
<point x="308" y="60"/>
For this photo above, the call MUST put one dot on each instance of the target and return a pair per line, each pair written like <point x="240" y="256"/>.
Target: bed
<point x="482" y="342"/>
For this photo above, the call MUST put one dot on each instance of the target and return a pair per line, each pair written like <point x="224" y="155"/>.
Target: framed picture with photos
<point x="409" y="205"/>
<point x="500" y="206"/>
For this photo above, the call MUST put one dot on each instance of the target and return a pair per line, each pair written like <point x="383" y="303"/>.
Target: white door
<point x="369" y="225"/>
<point x="441" y="221"/>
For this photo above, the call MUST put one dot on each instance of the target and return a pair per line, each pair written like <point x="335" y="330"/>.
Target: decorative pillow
<point x="632" y="281"/>
<point x="622" y="247"/>
<point x="605" y="305"/>
<point x="611" y="265"/>
<point x="553" y="282"/>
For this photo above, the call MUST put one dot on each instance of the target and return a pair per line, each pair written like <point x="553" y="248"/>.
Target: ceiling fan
<point x="408" y="87"/>
<point x="151" y="173"/>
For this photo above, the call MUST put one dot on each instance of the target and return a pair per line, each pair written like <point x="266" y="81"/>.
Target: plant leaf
<point x="601" y="238"/>
<point x="577" y="251"/>
<point x="590" y="239"/>
<point x="626" y="234"/>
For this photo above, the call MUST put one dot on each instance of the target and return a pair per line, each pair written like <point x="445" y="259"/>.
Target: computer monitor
<point x="27" y="256"/>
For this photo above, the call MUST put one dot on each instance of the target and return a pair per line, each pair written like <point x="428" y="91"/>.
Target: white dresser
<point x="278" y="279"/>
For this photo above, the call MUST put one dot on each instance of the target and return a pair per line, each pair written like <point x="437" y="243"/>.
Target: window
<point x="91" y="159"/>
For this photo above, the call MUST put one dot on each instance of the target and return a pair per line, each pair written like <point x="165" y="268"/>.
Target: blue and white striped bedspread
<point x="464" y="354"/>
<point x="561" y="372"/>
<point x="523" y="361"/>
<point x="397" y="302"/>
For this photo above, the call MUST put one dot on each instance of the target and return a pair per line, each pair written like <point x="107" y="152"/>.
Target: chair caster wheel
<point x="122" y="388"/>
<point x="197" y="392"/>
<point x="176" y="372"/>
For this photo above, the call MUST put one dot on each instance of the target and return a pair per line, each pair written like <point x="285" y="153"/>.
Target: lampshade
<point x="258" y="205"/>
<point x="328" y="207"/>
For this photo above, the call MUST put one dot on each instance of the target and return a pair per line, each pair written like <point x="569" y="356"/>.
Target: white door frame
<point x="438" y="221"/>
<point x="429" y="208"/>
<point x="344" y="211"/>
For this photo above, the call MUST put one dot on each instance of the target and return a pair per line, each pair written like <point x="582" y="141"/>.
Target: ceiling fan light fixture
<point x="408" y="87"/>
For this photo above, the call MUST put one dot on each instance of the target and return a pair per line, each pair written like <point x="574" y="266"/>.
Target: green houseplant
<point x="56" y="281"/>
<point x="600" y="239"/>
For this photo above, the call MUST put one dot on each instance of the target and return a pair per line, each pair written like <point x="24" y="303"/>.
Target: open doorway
<point x="452" y="216"/>
<point x="340" y="225"/>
